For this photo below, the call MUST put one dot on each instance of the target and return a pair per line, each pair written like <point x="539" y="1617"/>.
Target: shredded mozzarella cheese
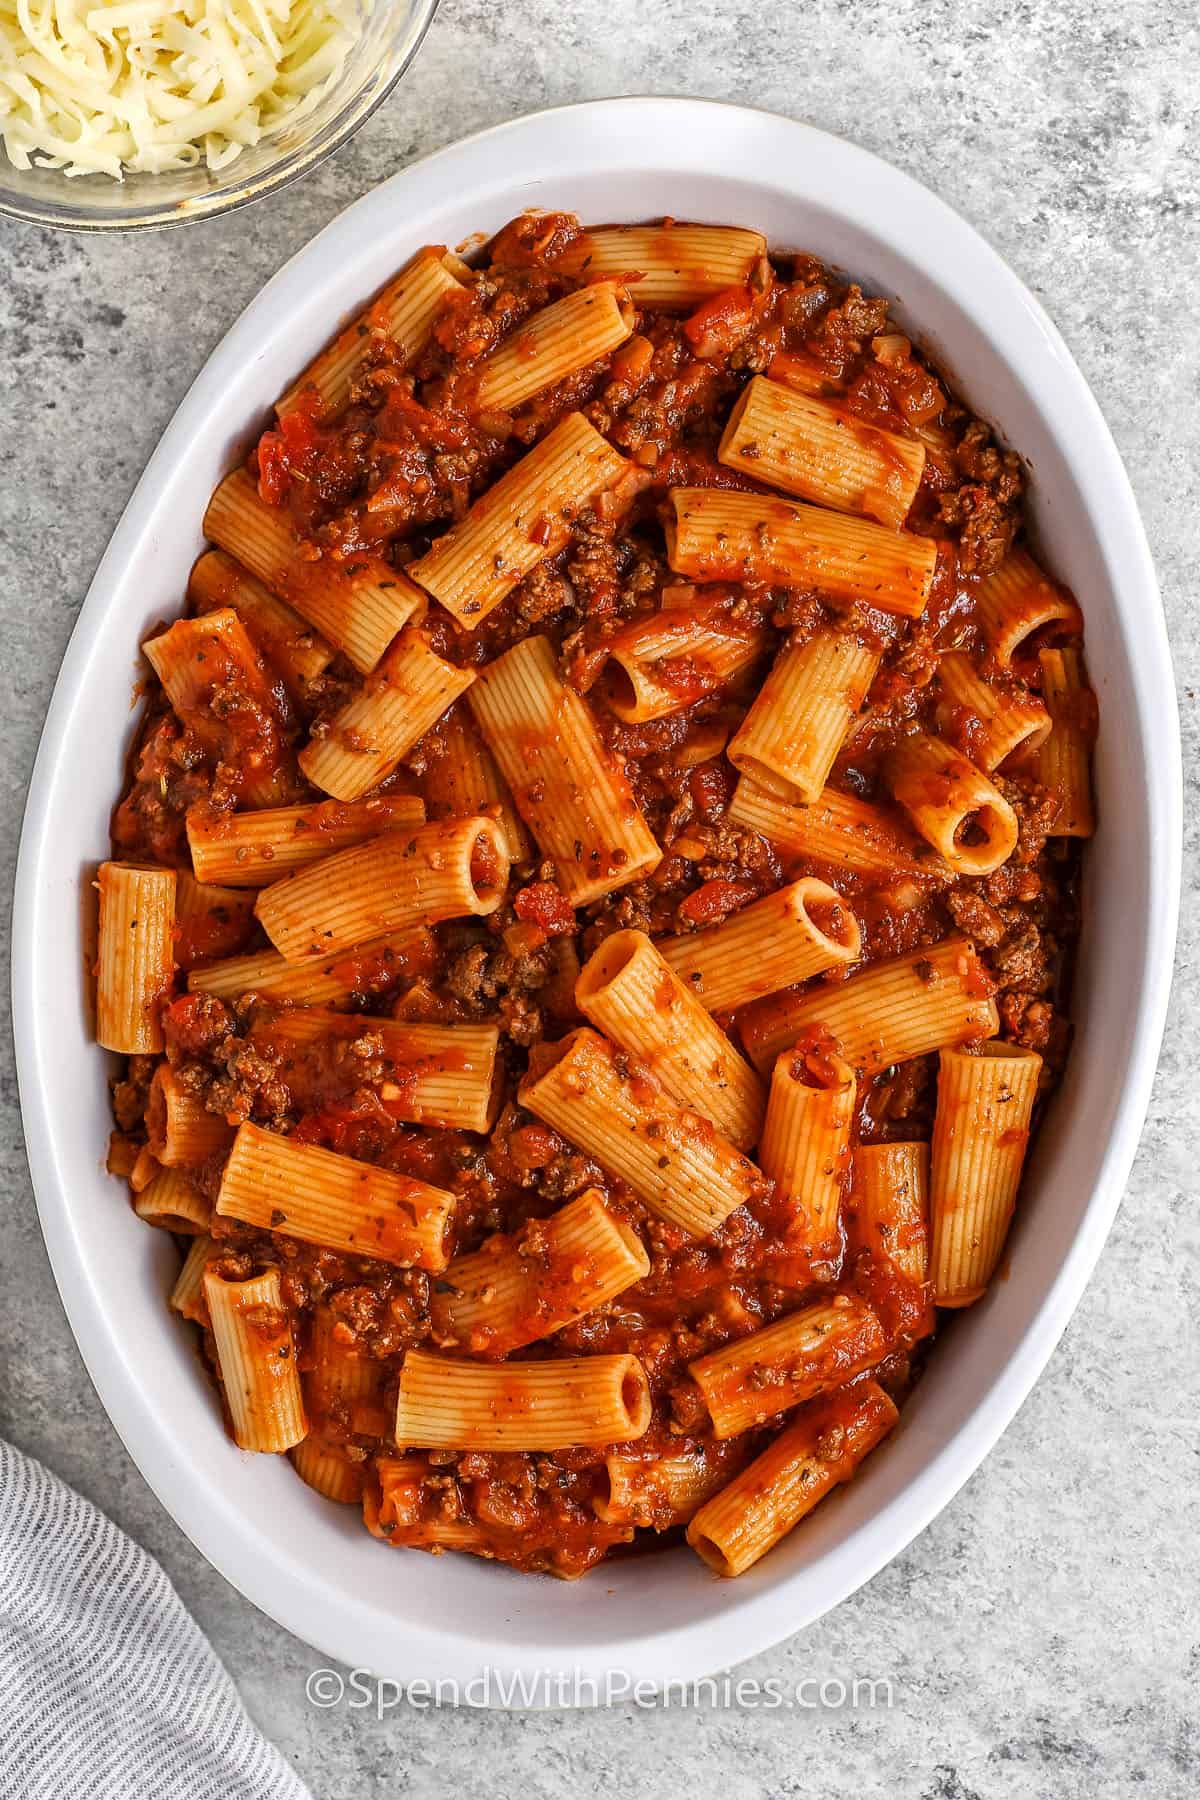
<point x="155" y="85"/>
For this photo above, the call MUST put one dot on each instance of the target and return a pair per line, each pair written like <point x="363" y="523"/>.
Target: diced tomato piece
<point x="715" y="901"/>
<point x="402" y="414"/>
<point x="719" y="322"/>
<point x="710" y="786"/>
<point x="195" y="1022"/>
<point x="296" y="444"/>
<point x="273" y="474"/>
<point x="533" y="1146"/>
<point x="541" y="903"/>
<point x="343" y="1126"/>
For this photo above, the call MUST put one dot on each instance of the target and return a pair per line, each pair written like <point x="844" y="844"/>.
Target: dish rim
<point x="766" y="1616"/>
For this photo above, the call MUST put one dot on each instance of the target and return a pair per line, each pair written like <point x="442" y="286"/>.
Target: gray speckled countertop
<point x="1041" y="1636"/>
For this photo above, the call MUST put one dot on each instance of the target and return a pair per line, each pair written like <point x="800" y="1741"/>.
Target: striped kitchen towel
<point x="109" y="1690"/>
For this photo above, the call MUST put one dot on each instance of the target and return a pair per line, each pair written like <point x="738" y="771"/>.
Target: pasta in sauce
<point x="642" y="773"/>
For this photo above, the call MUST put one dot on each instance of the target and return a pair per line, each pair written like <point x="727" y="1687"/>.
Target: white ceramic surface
<point x="309" y="1564"/>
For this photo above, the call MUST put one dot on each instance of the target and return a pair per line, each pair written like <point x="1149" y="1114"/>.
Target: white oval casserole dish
<point x="309" y="1564"/>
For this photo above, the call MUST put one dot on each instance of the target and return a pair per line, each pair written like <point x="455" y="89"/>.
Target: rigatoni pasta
<point x="822" y="1447"/>
<point x="570" y="792"/>
<point x="676" y="1163"/>
<point x="894" y="1010"/>
<point x="714" y="535"/>
<point x="980" y="1136"/>
<point x="888" y="1206"/>
<point x="789" y="935"/>
<point x="803" y="1354"/>
<point x="328" y="1470"/>
<point x="514" y="1290"/>
<point x="1016" y="602"/>
<point x="592" y="900"/>
<point x="182" y="1132"/>
<point x="220" y="688"/>
<point x="358" y="602"/>
<point x="210" y="920"/>
<point x="520" y="1405"/>
<point x="998" y="722"/>
<point x="396" y="1513"/>
<point x="657" y="1492"/>
<point x="442" y="871"/>
<point x="253" y="849"/>
<point x="841" y="831"/>
<point x="194" y="654"/>
<point x="805" y="1148"/>
<point x="575" y="331"/>
<point x="180" y="1129"/>
<point x="669" y="266"/>
<point x="404" y="694"/>
<point x="821" y="452"/>
<point x="343" y="1383"/>
<point x="174" y="1204"/>
<point x="256" y="1354"/>
<point x="795" y="727"/>
<point x="666" y="661"/>
<point x="1064" y="754"/>
<point x="404" y="315"/>
<point x="518" y="523"/>
<point x="289" y="642"/>
<point x="804" y="373"/>
<point x="954" y="805"/>
<point x="217" y="683"/>
<point x="631" y="994"/>
<point x="187" y="1296"/>
<point x="463" y="778"/>
<point x="445" y="1076"/>
<point x="324" y="1198"/>
<point x="136" y="961"/>
<point x="335" y="980"/>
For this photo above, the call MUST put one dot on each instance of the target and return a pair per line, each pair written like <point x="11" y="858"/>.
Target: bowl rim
<point x="768" y="1615"/>
<point x="230" y="199"/>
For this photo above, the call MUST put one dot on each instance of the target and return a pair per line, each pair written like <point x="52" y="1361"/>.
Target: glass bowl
<point x="391" y="36"/>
